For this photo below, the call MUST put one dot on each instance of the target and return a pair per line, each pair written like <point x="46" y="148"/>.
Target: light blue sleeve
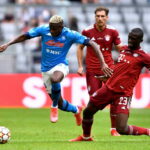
<point x="79" y="38"/>
<point x="35" y="32"/>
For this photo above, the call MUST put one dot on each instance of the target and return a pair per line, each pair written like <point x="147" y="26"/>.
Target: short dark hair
<point x="138" y="31"/>
<point x="102" y="8"/>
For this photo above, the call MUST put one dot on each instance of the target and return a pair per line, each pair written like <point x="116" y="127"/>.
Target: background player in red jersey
<point x="119" y="89"/>
<point x="106" y="36"/>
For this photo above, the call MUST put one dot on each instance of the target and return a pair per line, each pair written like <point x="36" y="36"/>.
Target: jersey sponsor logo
<point x="53" y="43"/>
<point x="53" y="52"/>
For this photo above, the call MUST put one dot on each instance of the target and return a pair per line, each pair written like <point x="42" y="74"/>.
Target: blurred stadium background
<point x="17" y="16"/>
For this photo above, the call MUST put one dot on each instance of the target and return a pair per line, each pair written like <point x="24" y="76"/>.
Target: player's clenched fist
<point x="3" y="47"/>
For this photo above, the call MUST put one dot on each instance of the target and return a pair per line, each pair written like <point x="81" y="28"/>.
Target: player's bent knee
<point x="55" y="80"/>
<point x="121" y="129"/>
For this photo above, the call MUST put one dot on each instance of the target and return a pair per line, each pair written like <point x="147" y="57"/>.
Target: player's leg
<point x="64" y="105"/>
<point x="48" y="85"/>
<point x="122" y="105"/>
<point x="125" y="129"/>
<point x="113" y="116"/>
<point x="52" y="79"/>
<point x="58" y="101"/>
<point x="59" y="72"/>
<point x="98" y="101"/>
<point x="55" y="79"/>
<point x="87" y="122"/>
<point x="94" y="82"/>
<point x="88" y="115"/>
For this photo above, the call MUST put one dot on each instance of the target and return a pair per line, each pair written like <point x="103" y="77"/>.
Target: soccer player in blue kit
<point x="56" y="41"/>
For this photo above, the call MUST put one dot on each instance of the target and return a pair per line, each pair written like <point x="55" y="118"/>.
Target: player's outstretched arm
<point x="104" y="67"/>
<point x="80" y="59"/>
<point x="18" y="39"/>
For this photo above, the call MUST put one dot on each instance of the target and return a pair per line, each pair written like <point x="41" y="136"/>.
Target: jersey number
<point x="125" y="101"/>
<point x="121" y="57"/>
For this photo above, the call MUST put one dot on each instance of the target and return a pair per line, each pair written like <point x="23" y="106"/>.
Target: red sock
<point x="86" y="126"/>
<point x="134" y="130"/>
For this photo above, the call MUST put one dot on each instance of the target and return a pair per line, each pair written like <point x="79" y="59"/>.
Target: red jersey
<point x="105" y="39"/>
<point x="127" y="70"/>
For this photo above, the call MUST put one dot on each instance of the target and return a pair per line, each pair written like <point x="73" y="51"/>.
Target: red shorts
<point x="93" y="84"/>
<point x="102" y="97"/>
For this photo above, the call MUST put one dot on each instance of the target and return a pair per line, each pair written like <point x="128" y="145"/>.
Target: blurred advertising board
<point x="27" y="91"/>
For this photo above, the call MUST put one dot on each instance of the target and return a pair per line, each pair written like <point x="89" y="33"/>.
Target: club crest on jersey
<point x="135" y="55"/>
<point x="63" y="38"/>
<point x="107" y="37"/>
<point x="49" y="34"/>
<point x="93" y="39"/>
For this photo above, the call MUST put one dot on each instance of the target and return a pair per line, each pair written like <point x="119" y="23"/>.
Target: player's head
<point x="135" y="37"/>
<point x="101" y="16"/>
<point x="56" y="25"/>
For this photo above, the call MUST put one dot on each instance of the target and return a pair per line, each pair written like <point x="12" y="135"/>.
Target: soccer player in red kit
<point x="119" y="89"/>
<point x="105" y="36"/>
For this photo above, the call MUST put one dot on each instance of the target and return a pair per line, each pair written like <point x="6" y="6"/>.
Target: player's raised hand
<point x="3" y="47"/>
<point x="80" y="71"/>
<point x="107" y="71"/>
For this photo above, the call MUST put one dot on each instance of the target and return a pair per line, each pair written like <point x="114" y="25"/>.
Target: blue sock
<point x="68" y="107"/>
<point x="56" y="92"/>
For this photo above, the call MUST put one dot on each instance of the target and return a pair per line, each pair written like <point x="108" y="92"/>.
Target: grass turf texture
<point x="32" y="130"/>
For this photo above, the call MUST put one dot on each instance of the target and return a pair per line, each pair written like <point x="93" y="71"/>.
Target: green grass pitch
<point x="32" y="130"/>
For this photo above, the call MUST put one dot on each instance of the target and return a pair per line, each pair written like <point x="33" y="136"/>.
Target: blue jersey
<point x="55" y="49"/>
